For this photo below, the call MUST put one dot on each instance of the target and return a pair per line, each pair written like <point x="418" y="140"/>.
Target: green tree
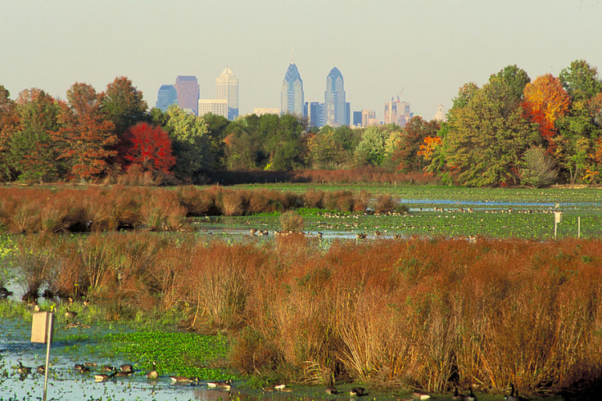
<point x="7" y="119"/>
<point x="580" y="80"/>
<point x="32" y="154"/>
<point x="487" y="137"/>
<point x="123" y="105"/>
<point x="515" y="77"/>
<point x="371" y="149"/>
<point x="190" y="145"/>
<point x="216" y="131"/>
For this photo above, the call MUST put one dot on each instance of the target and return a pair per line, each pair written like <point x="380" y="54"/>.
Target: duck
<point x="153" y="374"/>
<point x="78" y="367"/>
<point x="418" y="395"/>
<point x="123" y="374"/>
<point x="357" y="392"/>
<point x="23" y="370"/>
<point x="470" y="396"/>
<point x="107" y="368"/>
<point x="331" y="390"/>
<point x="41" y="369"/>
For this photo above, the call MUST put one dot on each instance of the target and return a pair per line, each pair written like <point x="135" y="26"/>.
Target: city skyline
<point x="429" y="48"/>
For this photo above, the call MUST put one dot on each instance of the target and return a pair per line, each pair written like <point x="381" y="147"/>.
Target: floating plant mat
<point x="176" y="353"/>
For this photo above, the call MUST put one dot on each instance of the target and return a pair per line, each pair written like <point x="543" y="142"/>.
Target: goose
<point x="470" y="396"/>
<point x="279" y="387"/>
<point x="153" y="374"/>
<point x="23" y="370"/>
<point x="226" y="385"/>
<point x="107" y="368"/>
<point x="418" y="395"/>
<point x="4" y="292"/>
<point x="514" y="395"/>
<point x="41" y="369"/>
<point x="182" y="379"/>
<point x="103" y="377"/>
<point x="331" y="390"/>
<point x="78" y="367"/>
<point x="126" y="367"/>
<point x="357" y="392"/>
<point x="124" y="374"/>
<point x="457" y="396"/>
<point x="70" y="314"/>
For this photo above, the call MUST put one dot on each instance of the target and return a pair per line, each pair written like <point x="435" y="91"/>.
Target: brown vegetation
<point x="32" y="210"/>
<point x="416" y="313"/>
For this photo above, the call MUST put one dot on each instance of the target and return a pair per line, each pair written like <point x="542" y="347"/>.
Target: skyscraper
<point x="188" y="92"/>
<point x="335" y="109"/>
<point x="292" y="100"/>
<point x="227" y="88"/>
<point x="166" y="96"/>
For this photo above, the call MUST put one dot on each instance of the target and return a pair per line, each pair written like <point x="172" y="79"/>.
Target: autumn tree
<point x="85" y="136"/>
<point x="545" y="101"/>
<point x="487" y="136"/>
<point x="190" y="144"/>
<point x="406" y="151"/>
<point x="580" y="80"/>
<point x="30" y="152"/>
<point x="150" y="148"/>
<point x="7" y="117"/>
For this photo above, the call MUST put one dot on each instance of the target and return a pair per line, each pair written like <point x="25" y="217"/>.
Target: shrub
<point x="538" y="168"/>
<point x="291" y="221"/>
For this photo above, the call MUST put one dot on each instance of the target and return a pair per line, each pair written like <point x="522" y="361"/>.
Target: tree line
<point x="510" y="131"/>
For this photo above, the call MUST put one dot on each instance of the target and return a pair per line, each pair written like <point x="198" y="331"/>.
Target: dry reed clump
<point x="232" y="203"/>
<point x="163" y="212"/>
<point x="195" y="201"/>
<point x="34" y="261"/>
<point x="313" y="199"/>
<point x="384" y="204"/>
<point x="341" y="201"/>
<point x="291" y="221"/>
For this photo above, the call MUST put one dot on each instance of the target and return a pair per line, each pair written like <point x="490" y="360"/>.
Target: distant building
<point x="397" y="112"/>
<point x="315" y="114"/>
<point x="227" y="88"/>
<point x="336" y="110"/>
<point x="292" y="96"/>
<point x="166" y="96"/>
<point x="440" y="115"/>
<point x="218" y="107"/>
<point x="265" y="110"/>
<point x="357" y="118"/>
<point x="369" y="118"/>
<point x="188" y="92"/>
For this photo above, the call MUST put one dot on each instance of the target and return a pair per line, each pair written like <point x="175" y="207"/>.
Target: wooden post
<point x="41" y="332"/>
<point x="557" y="219"/>
<point x="578" y="226"/>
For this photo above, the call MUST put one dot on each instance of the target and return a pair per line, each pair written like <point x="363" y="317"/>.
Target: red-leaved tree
<point x="545" y="101"/>
<point x="149" y="148"/>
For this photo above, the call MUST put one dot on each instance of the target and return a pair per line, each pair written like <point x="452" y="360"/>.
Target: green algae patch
<point x="176" y="353"/>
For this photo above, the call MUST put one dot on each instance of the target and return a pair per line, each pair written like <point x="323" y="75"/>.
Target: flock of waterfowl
<point x="126" y="370"/>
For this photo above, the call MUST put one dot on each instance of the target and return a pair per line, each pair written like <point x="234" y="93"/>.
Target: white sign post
<point x="41" y="332"/>
<point x="557" y="219"/>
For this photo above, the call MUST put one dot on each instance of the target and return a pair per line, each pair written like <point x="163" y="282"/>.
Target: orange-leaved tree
<point x="86" y="136"/>
<point x="149" y="148"/>
<point x="545" y="101"/>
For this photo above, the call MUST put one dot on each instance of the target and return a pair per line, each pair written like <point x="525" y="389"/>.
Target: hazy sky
<point x="428" y="48"/>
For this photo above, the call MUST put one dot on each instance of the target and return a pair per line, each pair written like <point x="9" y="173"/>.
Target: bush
<point x="291" y="221"/>
<point x="538" y="168"/>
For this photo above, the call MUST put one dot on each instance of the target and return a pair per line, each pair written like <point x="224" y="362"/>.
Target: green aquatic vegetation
<point x="185" y="354"/>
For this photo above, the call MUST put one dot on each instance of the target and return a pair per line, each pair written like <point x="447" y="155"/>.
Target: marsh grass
<point x="420" y="313"/>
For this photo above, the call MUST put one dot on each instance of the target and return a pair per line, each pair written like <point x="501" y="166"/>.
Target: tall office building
<point x="227" y="88"/>
<point x="397" y="112"/>
<point x="166" y="97"/>
<point x="188" y="93"/>
<point x="369" y="118"/>
<point x="218" y="107"/>
<point x="292" y="97"/>
<point x="335" y="108"/>
<point x="314" y="114"/>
